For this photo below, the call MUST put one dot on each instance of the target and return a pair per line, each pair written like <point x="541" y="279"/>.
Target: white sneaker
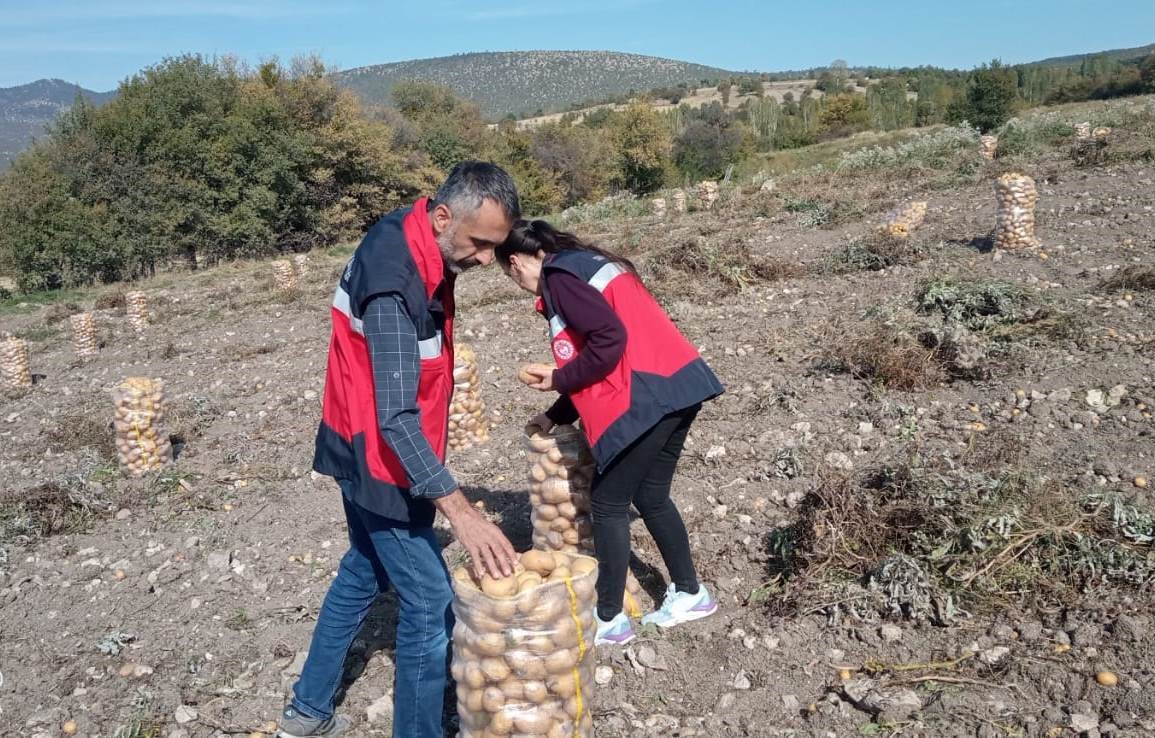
<point x="618" y="631"/>
<point x="680" y="607"/>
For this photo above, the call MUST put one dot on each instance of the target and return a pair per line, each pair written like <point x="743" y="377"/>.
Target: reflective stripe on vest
<point x="343" y="305"/>
<point x="599" y="282"/>
<point x="430" y="348"/>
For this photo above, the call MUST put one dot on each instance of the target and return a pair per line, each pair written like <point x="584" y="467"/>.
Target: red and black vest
<point x="399" y="255"/>
<point x="660" y="371"/>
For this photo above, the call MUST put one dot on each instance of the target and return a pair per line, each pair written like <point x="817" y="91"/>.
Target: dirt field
<point x="181" y="604"/>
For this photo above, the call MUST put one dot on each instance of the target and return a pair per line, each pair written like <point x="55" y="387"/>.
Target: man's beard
<point x="445" y="244"/>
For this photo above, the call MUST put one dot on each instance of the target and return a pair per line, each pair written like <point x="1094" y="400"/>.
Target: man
<point x="382" y="437"/>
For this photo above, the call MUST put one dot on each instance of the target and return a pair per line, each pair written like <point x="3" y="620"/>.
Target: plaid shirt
<point x="393" y="353"/>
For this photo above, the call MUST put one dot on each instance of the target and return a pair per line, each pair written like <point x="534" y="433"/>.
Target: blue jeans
<point x="381" y="554"/>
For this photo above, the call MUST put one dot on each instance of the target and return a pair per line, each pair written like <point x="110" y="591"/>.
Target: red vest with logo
<point x="660" y="371"/>
<point x="399" y="255"/>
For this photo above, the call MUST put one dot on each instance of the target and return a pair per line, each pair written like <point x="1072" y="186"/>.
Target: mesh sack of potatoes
<point x="523" y="648"/>
<point x="658" y="204"/>
<point x="708" y="194"/>
<point x="141" y="444"/>
<point x="15" y="368"/>
<point x="988" y="145"/>
<point x="1015" y="219"/>
<point x="901" y="221"/>
<point x="84" y="341"/>
<point x="679" y="201"/>
<point x="136" y="306"/>
<point x="284" y="278"/>
<point x="1082" y="130"/>
<point x="561" y="470"/>
<point x="468" y="425"/>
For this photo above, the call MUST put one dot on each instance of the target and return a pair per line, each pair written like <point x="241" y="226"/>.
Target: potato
<point x="548" y="513"/>
<point x="571" y="707"/>
<point x="555" y="491"/>
<point x="567" y="510"/>
<point x="538" y="441"/>
<point x="526" y="665"/>
<point x="563" y="685"/>
<point x="494" y="669"/>
<point x="529" y="602"/>
<point x="538" y="473"/>
<point x="474" y="676"/>
<point x="464" y="577"/>
<point x="513" y="689"/>
<point x="535" y="691"/>
<point x="571" y="536"/>
<point x="533" y="373"/>
<point x="561" y="661"/>
<point x="501" y="724"/>
<point x="531" y="721"/>
<point x="475" y="700"/>
<point x="583" y="587"/>
<point x="565" y="635"/>
<point x="489" y="644"/>
<point x="528" y="580"/>
<point x="540" y="562"/>
<point x="554" y="540"/>
<point x="503" y="587"/>
<point x="560" y="574"/>
<point x="583" y="565"/>
<point x="560" y="524"/>
<point x="539" y="644"/>
<point x="493" y="700"/>
<point x="505" y="609"/>
<point x="550" y="468"/>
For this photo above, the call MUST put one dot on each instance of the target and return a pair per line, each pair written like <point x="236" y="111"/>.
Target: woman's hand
<point x="542" y="421"/>
<point x="546" y="382"/>
<point x="537" y="376"/>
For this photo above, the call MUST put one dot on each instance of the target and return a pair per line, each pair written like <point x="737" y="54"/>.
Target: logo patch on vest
<point x="563" y="349"/>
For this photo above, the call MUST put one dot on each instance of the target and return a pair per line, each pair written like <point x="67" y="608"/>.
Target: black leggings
<point x="641" y="475"/>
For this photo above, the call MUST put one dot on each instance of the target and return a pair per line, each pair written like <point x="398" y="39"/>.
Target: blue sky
<point x="97" y="43"/>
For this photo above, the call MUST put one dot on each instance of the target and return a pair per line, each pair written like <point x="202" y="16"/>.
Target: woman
<point x="637" y="384"/>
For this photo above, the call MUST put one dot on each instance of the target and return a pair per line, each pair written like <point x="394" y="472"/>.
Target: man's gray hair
<point x="473" y="182"/>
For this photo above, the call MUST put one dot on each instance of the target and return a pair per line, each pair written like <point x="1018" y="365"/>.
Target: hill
<point x="1077" y="59"/>
<point x="523" y="82"/>
<point x="26" y="109"/>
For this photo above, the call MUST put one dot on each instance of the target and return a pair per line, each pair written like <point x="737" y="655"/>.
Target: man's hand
<point x="489" y="550"/>
<point x="542" y="421"/>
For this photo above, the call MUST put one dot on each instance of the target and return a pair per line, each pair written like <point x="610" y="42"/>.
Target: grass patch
<point x="976" y="304"/>
<point x="76" y="432"/>
<point x="45" y="510"/>
<point x="911" y="542"/>
<point x="1130" y="278"/>
<point x="11" y="304"/>
<point x="699" y="266"/>
<point x="876" y="251"/>
<point x="881" y="354"/>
